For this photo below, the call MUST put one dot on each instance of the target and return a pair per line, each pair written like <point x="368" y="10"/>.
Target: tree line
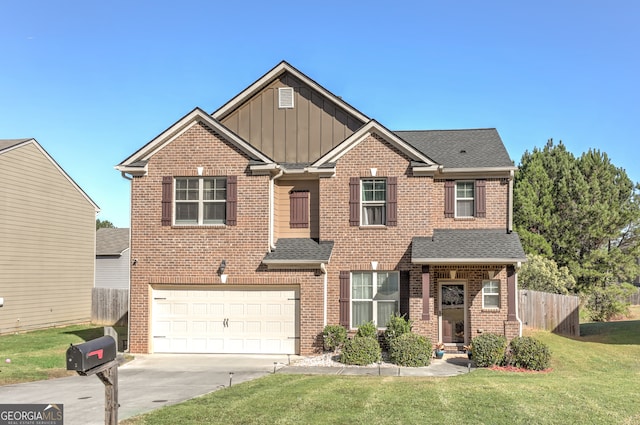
<point x="579" y="220"/>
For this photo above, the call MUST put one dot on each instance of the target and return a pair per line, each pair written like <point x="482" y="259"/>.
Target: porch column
<point x="511" y="294"/>
<point x="426" y="284"/>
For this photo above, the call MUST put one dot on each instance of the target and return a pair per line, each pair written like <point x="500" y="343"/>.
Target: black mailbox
<point x="91" y="354"/>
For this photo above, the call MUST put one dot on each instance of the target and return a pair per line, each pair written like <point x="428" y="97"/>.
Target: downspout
<point x="510" y="206"/>
<point x="272" y="208"/>
<point x="323" y="269"/>
<point x="518" y="265"/>
<point x="124" y="175"/>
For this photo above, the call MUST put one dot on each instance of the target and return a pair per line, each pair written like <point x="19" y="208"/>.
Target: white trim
<point x="484" y="282"/>
<point x="286" y="98"/>
<point x="473" y="199"/>
<point x="461" y="261"/>
<point x="374" y="283"/>
<point x="361" y="134"/>
<point x="269" y="77"/>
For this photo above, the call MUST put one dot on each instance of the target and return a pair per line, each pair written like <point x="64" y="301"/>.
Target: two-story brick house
<point x="288" y="209"/>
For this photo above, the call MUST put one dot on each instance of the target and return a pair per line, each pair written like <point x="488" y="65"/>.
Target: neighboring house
<point x="287" y="209"/>
<point x="112" y="258"/>
<point x="47" y="241"/>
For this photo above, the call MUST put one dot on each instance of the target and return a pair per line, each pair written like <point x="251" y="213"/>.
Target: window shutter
<point x="167" y="198"/>
<point x="426" y="284"/>
<point x="299" y="210"/>
<point x="232" y="200"/>
<point x="481" y="199"/>
<point x="354" y="201"/>
<point x="392" y="201"/>
<point x="449" y="198"/>
<point x="404" y="293"/>
<point x="345" y="318"/>
<point x="511" y="294"/>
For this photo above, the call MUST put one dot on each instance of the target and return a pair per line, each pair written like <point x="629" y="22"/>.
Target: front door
<point x="452" y="312"/>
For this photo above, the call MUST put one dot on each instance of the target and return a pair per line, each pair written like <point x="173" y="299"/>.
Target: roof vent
<point x="285" y="97"/>
<point x="463" y="151"/>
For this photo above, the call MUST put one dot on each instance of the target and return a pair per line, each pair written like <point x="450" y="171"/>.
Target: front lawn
<point x="594" y="380"/>
<point x="40" y="354"/>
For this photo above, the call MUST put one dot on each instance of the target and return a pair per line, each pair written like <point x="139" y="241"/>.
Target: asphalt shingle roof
<point x="460" y="148"/>
<point x="300" y="249"/>
<point x="474" y="244"/>
<point x="111" y="241"/>
<point x="7" y="143"/>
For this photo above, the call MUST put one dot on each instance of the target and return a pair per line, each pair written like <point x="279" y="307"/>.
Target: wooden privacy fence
<point x="554" y="312"/>
<point x="110" y="306"/>
<point x="635" y="298"/>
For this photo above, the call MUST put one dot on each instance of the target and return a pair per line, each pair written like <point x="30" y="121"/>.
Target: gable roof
<point x="112" y="241"/>
<point x="271" y="76"/>
<point x="467" y="246"/>
<point x="370" y="128"/>
<point x="461" y="149"/>
<point x="137" y="162"/>
<point x="7" y="145"/>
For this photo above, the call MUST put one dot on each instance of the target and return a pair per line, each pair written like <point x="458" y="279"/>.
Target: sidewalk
<point x="449" y="365"/>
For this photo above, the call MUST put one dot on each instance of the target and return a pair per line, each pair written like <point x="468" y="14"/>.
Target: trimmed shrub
<point x="396" y="326"/>
<point x="334" y="337"/>
<point x="528" y="353"/>
<point x="411" y="350"/>
<point x="369" y="330"/>
<point x="361" y="351"/>
<point x="489" y="349"/>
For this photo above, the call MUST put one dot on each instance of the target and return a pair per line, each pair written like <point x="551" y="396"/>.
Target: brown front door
<point x="452" y="312"/>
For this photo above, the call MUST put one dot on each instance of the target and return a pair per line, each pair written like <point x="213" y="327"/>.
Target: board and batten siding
<point x="112" y="271"/>
<point x="282" y="205"/>
<point x="310" y="129"/>
<point x="47" y="244"/>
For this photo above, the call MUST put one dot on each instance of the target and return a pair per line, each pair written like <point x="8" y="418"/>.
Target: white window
<point x="374" y="202"/>
<point x="491" y="294"/>
<point x="464" y="199"/>
<point x="374" y="296"/>
<point x="200" y="200"/>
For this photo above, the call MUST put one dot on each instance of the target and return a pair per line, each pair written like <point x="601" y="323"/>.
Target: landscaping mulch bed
<point x="517" y="369"/>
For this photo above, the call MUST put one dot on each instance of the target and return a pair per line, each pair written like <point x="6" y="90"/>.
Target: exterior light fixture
<point x="223" y="276"/>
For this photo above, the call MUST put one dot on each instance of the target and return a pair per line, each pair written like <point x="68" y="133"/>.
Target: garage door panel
<point x="243" y="320"/>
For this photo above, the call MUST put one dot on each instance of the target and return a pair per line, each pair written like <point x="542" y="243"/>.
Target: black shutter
<point x="167" y="199"/>
<point x="449" y="198"/>
<point x="345" y="299"/>
<point x="232" y="200"/>
<point x="481" y="198"/>
<point x="354" y="201"/>
<point x="392" y="201"/>
<point x="404" y="293"/>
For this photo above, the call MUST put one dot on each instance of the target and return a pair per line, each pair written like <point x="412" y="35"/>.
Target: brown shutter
<point x="511" y="294"/>
<point x="426" y="284"/>
<point x="299" y="209"/>
<point x="449" y="198"/>
<point x="232" y="200"/>
<point x="354" y="201"/>
<point x="481" y="199"/>
<point x="404" y="293"/>
<point x="167" y="198"/>
<point x="392" y="201"/>
<point x="345" y="318"/>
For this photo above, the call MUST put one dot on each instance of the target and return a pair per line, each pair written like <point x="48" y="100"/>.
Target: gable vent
<point x="285" y="97"/>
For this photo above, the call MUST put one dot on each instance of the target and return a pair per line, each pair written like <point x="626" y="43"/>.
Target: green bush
<point x="528" y="353"/>
<point x="488" y="349"/>
<point x="334" y="337"/>
<point x="396" y="326"/>
<point x="360" y="351"/>
<point x="368" y="329"/>
<point x="609" y="302"/>
<point x="410" y="350"/>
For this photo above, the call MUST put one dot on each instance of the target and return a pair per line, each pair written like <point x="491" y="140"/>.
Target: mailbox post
<point x="98" y="357"/>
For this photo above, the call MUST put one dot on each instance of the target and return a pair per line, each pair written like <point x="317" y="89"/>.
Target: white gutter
<point x="517" y="301"/>
<point x="272" y="246"/>
<point x="510" y="195"/>
<point x="323" y="268"/>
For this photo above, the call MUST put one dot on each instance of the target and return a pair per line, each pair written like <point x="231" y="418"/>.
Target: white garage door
<point x="223" y="320"/>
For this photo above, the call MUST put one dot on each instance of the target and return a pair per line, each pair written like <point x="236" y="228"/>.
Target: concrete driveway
<point x="144" y="384"/>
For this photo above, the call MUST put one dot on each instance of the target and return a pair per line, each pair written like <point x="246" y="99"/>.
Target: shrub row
<point x="524" y="352"/>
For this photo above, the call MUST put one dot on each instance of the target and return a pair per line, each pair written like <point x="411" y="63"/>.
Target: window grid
<point x="464" y="199"/>
<point x="374" y="202"/>
<point x="491" y="294"/>
<point x="200" y="200"/>
<point x="371" y="301"/>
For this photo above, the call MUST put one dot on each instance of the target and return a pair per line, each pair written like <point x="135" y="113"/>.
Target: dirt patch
<point x="517" y="369"/>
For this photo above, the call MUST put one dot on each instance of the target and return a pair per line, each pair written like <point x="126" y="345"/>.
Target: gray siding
<point x="113" y="271"/>
<point x="47" y="244"/>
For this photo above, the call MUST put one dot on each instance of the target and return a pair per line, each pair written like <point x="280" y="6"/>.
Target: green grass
<point x="40" y="354"/>
<point x="594" y="380"/>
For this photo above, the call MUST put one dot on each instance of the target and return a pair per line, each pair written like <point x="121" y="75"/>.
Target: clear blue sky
<point x="94" y="81"/>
